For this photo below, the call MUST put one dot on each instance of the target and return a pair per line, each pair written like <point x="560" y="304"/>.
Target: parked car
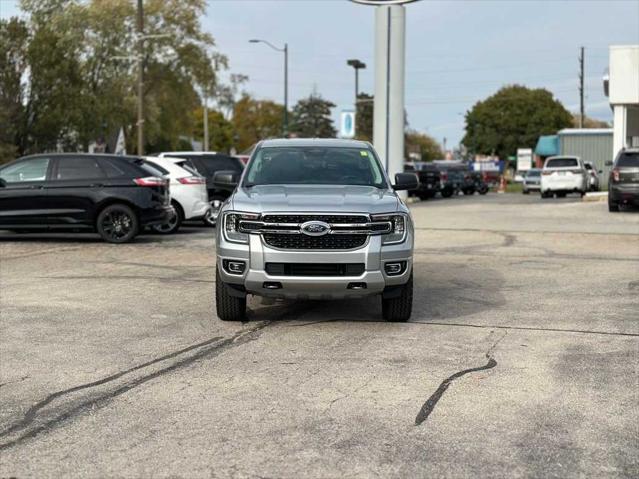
<point x="479" y="183"/>
<point x="429" y="180"/>
<point x="315" y="219"/>
<point x="189" y="196"/>
<point x="454" y="177"/>
<point x="115" y="196"/>
<point x="562" y="175"/>
<point x="593" y="179"/>
<point x="532" y="181"/>
<point x="207" y="164"/>
<point x="623" y="183"/>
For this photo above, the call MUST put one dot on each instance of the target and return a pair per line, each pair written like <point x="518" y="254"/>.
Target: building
<point x="621" y="85"/>
<point x="592" y="145"/>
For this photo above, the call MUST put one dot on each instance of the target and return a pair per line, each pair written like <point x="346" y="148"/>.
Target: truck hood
<point x="314" y="198"/>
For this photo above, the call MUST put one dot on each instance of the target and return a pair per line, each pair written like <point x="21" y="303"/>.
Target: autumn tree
<point x="255" y="120"/>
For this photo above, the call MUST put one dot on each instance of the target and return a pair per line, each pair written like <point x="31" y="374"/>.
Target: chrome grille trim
<point x="262" y="227"/>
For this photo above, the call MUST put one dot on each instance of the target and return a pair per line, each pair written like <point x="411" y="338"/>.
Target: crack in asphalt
<point x="527" y="328"/>
<point x="36" y="421"/>
<point x="432" y="401"/>
<point x="470" y="325"/>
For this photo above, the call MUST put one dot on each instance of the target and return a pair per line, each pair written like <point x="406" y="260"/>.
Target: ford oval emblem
<point x="315" y="228"/>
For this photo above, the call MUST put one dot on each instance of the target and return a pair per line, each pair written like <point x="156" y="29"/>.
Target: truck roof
<point x="319" y="142"/>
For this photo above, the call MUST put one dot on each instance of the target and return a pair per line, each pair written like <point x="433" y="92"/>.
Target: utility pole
<point x="140" y="77"/>
<point x="581" y="88"/>
<point x="206" y="121"/>
<point x="286" y="90"/>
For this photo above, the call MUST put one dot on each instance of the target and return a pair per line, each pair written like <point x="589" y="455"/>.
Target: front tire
<point x="228" y="307"/>
<point x="211" y="217"/>
<point x="399" y="309"/>
<point x="117" y="224"/>
<point x="447" y="192"/>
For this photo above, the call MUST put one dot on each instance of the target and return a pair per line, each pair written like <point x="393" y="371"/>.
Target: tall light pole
<point x="357" y="65"/>
<point x="140" y="77"/>
<point x="285" y="51"/>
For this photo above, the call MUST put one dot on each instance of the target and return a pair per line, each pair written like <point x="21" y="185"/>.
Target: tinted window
<point x="115" y="169"/>
<point x="562" y="163"/>
<point x="629" y="160"/>
<point x="315" y="166"/>
<point x="532" y="173"/>
<point x="78" y="168"/>
<point x="211" y="165"/>
<point x="152" y="169"/>
<point x="26" y="170"/>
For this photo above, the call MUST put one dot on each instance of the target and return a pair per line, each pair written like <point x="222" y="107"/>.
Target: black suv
<point x="207" y="164"/>
<point x="455" y="177"/>
<point x="428" y="175"/>
<point x="115" y="196"/>
<point x="623" y="183"/>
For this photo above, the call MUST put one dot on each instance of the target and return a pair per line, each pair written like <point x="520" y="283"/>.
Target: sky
<point x="458" y="52"/>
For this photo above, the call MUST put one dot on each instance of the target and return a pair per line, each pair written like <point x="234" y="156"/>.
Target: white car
<point x="188" y="192"/>
<point x="562" y="175"/>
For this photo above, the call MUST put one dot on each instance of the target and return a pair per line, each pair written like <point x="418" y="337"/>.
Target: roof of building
<point x="320" y="142"/>
<point x="585" y="131"/>
<point x="547" y="145"/>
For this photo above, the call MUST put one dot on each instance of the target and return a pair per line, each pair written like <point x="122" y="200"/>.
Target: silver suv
<point x="314" y="219"/>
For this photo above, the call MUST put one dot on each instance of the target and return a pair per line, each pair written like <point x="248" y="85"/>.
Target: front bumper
<point x="256" y="254"/>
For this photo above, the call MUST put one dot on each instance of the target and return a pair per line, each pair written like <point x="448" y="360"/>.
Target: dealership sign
<point x="347" y="124"/>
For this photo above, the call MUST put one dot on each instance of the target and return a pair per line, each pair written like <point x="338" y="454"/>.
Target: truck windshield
<point x="314" y="166"/>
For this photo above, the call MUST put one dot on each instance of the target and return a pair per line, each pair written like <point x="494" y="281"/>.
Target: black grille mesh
<point x="335" y="219"/>
<point x="301" y="241"/>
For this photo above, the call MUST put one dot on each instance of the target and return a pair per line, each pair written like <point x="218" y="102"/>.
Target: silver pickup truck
<point x="314" y="219"/>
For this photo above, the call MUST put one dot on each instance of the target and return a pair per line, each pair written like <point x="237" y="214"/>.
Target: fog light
<point x="233" y="267"/>
<point x="393" y="269"/>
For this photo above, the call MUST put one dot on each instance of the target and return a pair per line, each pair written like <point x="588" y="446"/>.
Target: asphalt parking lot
<point x="521" y="358"/>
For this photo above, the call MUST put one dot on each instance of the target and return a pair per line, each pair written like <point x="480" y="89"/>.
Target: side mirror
<point x="608" y="163"/>
<point x="2" y="183"/>
<point x="405" y="181"/>
<point x="226" y="179"/>
<point x="600" y="171"/>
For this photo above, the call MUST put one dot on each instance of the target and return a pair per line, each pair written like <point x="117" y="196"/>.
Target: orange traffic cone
<point x="502" y="185"/>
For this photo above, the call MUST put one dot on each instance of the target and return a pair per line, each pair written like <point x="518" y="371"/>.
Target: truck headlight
<point x="399" y="228"/>
<point x="232" y="226"/>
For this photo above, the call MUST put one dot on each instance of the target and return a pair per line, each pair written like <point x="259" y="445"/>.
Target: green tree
<point x="255" y="120"/>
<point x="425" y="146"/>
<point x="80" y="77"/>
<point x="311" y="118"/>
<point x="13" y="64"/>
<point x="364" y="117"/>
<point x="512" y="118"/>
<point x="220" y="130"/>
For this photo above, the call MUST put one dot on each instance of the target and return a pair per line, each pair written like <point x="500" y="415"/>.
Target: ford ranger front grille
<point x="300" y="241"/>
<point x="325" y="218"/>
<point x="288" y="231"/>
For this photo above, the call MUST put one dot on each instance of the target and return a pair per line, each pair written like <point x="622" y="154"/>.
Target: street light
<point x="357" y="65"/>
<point x="285" y="51"/>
